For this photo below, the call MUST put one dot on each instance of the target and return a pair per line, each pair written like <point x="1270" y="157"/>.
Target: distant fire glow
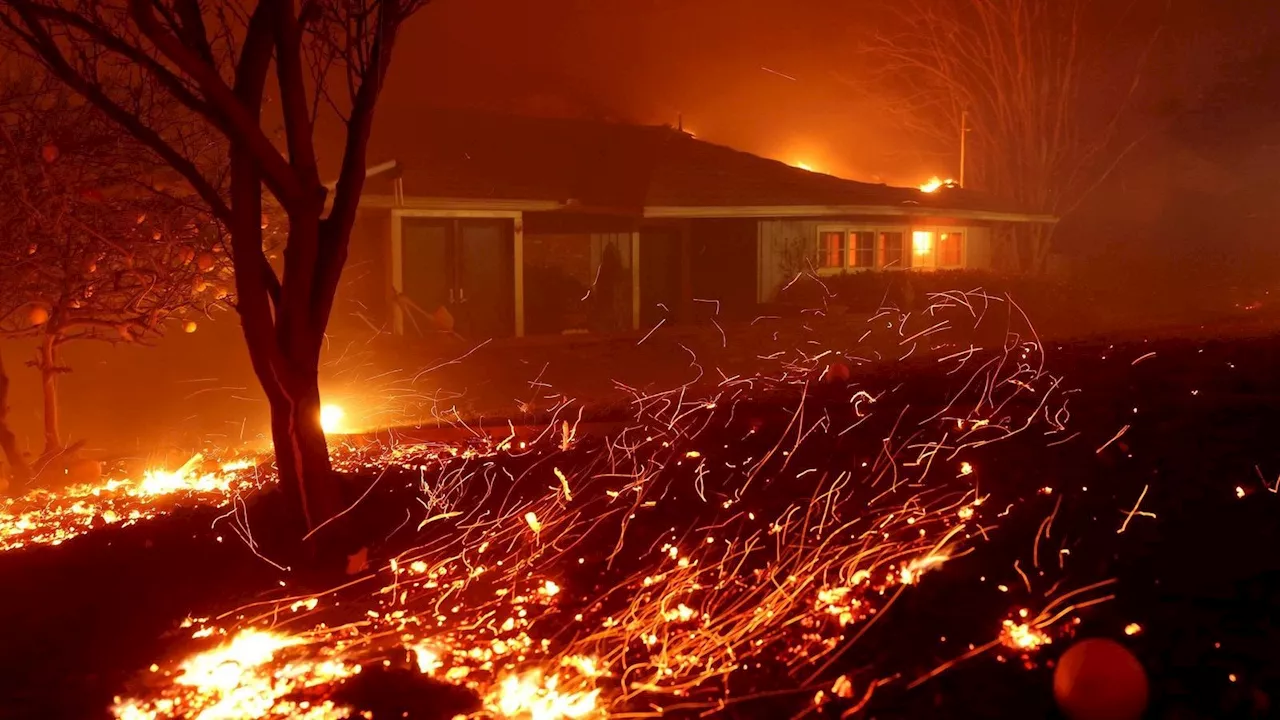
<point x="936" y="182"/>
<point x="803" y="166"/>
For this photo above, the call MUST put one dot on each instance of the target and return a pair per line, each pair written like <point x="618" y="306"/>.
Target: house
<point x="509" y="226"/>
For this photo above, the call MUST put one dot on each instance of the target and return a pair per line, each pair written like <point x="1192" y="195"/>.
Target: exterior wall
<point x="365" y="295"/>
<point x="786" y="247"/>
<point x="781" y="248"/>
<point x="978" y="248"/>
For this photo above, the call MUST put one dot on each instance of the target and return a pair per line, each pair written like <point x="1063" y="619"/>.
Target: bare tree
<point x="89" y="248"/>
<point x="215" y="59"/>
<point x="1034" y="86"/>
<point x="19" y="470"/>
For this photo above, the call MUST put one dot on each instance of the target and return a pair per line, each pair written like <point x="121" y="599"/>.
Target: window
<point x="891" y="249"/>
<point x="831" y="245"/>
<point x="922" y="249"/>
<point x="950" y="252"/>
<point x="862" y="243"/>
<point x="859" y="248"/>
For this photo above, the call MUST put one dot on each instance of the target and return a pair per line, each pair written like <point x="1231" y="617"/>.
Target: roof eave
<point x="790" y="211"/>
<point x="389" y="202"/>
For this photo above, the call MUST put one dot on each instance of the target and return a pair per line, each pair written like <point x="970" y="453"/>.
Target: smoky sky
<point x="766" y="77"/>
<point x="778" y="78"/>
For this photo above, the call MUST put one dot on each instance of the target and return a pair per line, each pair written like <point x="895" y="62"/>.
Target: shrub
<point x="1040" y="297"/>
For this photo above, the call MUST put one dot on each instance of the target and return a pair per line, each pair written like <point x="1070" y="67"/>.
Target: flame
<point x="49" y="517"/>
<point x="936" y="182"/>
<point x="242" y="678"/>
<point x="535" y="696"/>
<point x="803" y="166"/>
<point x="1023" y="636"/>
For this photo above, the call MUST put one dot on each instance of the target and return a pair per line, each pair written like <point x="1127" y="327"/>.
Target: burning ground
<point x="923" y="530"/>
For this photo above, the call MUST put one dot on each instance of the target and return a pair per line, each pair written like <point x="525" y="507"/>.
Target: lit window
<point x="860" y="248"/>
<point x="831" y="249"/>
<point x="950" y="249"/>
<point x="923" y="249"/>
<point x="891" y="250"/>
<point x="921" y="243"/>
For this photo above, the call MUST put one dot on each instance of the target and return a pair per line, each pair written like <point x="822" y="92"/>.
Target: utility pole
<point x="964" y="131"/>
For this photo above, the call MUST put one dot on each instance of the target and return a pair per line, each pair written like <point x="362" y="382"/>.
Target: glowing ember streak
<point x="331" y="417"/>
<point x="531" y="518"/>
<point x="564" y="484"/>
<point x="911" y="571"/>
<point x="755" y="557"/>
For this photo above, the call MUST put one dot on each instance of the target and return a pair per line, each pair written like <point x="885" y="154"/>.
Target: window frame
<point x="820" y="250"/>
<point x="849" y="249"/>
<point x="934" y="255"/>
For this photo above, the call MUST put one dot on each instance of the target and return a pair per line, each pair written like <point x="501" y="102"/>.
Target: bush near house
<point x="1043" y="299"/>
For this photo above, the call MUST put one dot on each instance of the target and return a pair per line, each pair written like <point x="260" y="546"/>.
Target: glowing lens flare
<point x="331" y="418"/>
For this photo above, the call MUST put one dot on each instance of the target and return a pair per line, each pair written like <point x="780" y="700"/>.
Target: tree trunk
<point x="1042" y="247"/>
<point x="49" y="388"/>
<point x="302" y="454"/>
<point x="18" y="470"/>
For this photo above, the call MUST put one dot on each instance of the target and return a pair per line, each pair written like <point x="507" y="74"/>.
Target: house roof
<point x="613" y="167"/>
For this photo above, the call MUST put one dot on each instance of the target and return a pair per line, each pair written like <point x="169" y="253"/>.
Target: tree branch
<point x="293" y="94"/>
<point x="34" y="35"/>
<point x="241" y="126"/>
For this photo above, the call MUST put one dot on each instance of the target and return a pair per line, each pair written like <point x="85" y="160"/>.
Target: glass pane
<point x="950" y="251"/>
<point x="864" y="249"/>
<point x="831" y="249"/>
<point x="891" y="250"/>
<point x="922" y="248"/>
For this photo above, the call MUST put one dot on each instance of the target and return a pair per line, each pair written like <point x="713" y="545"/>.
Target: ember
<point x="708" y="568"/>
<point x="49" y="517"/>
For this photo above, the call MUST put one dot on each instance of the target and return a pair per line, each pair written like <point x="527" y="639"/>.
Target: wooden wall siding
<point x="978" y="248"/>
<point x="781" y="247"/>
